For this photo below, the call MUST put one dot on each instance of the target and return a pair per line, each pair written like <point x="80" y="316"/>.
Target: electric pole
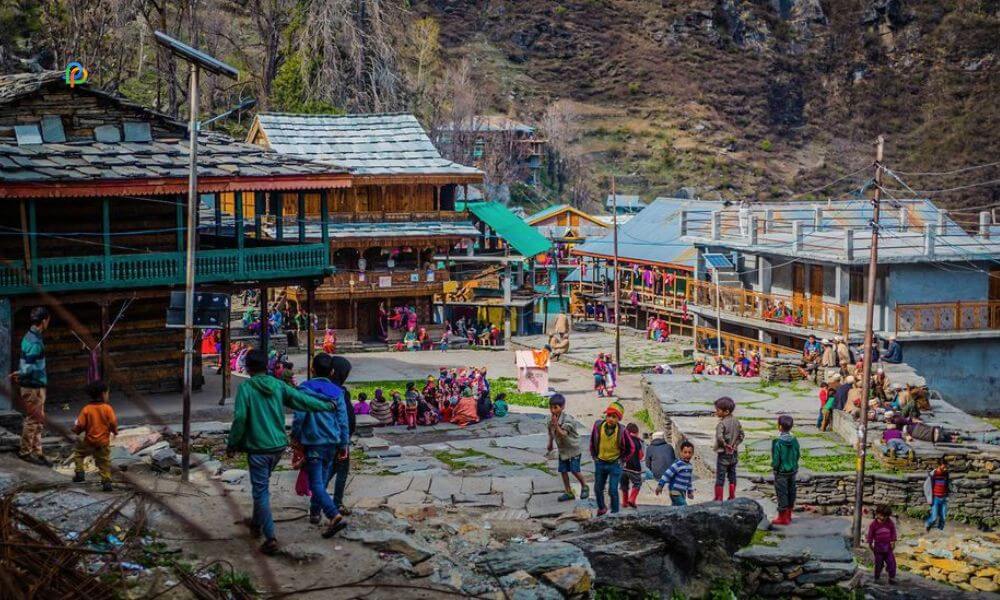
<point x="614" y="237"/>
<point x="859" y="483"/>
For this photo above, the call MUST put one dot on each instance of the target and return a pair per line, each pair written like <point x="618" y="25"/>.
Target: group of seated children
<point x="418" y="339"/>
<point x="458" y="396"/>
<point x="745" y="365"/>
<point x="782" y="313"/>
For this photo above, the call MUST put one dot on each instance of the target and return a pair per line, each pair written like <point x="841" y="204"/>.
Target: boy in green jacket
<point x="785" y="464"/>
<point x="259" y="430"/>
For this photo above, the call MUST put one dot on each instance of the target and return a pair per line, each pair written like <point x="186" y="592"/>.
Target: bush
<point x="633" y="88"/>
<point x="766" y="145"/>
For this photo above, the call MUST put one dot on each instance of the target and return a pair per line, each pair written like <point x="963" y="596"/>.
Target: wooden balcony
<point x="707" y="339"/>
<point x="398" y="217"/>
<point x="983" y="315"/>
<point x="381" y="284"/>
<point x="123" y="271"/>
<point x="802" y="312"/>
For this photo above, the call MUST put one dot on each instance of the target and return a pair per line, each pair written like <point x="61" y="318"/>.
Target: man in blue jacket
<point x="325" y="437"/>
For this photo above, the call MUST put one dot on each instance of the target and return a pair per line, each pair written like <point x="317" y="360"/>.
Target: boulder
<point x="165" y="458"/>
<point x="663" y="549"/>
<point x="571" y="581"/>
<point x="390" y="541"/>
<point x="234" y="476"/>
<point x="122" y="459"/>
<point x="534" y="558"/>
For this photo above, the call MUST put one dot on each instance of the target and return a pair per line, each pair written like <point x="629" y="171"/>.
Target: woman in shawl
<point x="329" y="341"/>
<point x="381" y="409"/>
<point x="464" y="412"/>
<point x="383" y="322"/>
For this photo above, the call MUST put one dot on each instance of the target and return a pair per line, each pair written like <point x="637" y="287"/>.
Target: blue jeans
<point x="319" y="468"/>
<point x="341" y="469"/>
<point x="607" y="475"/>
<point x="261" y="467"/>
<point x="678" y="499"/>
<point x="939" y="510"/>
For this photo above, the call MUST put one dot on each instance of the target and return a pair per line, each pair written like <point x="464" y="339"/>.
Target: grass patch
<point x="541" y="466"/>
<point x="760" y="539"/>
<point x="456" y="459"/>
<point x="994" y="421"/>
<point x="642" y="415"/>
<point x="498" y="385"/>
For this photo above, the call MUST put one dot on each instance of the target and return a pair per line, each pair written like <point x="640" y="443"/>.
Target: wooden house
<point x="384" y="230"/>
<point x="93" y="197"/>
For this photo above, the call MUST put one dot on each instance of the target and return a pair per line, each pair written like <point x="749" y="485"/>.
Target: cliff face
<point x="760" y="98"/>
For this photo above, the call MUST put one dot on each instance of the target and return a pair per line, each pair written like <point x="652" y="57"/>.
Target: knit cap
<point x="615" y="408"/>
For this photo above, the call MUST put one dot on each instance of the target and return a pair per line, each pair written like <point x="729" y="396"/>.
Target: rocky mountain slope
<point x="763" y="98"/>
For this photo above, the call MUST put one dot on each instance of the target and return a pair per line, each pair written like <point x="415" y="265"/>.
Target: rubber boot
<point x="625" y="503"/>
<point x="732" y="491"/>
<point x="718" y="493"/>
<point x="633" y="496"/>
<point x="781" y="519"/>
<point x="788" y="516"/>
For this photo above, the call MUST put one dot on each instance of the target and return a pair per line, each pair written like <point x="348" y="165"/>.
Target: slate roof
<point x="85" y="159"/>
<point x="902" y="223"/>
<point x="491" y="123"/>
<point x="367" y="144"/>
<point x="653" y="235"/>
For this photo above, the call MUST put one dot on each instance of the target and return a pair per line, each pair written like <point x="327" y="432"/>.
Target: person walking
<point x="32" y="379"/>
<point x="258" y="429"/>
<point x="610" y="447"/>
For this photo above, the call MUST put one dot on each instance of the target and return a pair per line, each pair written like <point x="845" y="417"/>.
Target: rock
<point x="570" y="580"/>
<point x="662" y="548"/>
<point x="234" y="476"/>
<point x="414" y="550"/>
<point x="122" y="459"/>
<point x="984" y="584"/>
<point x="164" y="459"/>
<point x="135" y="439"/>
<point x="148" y="450"/>
<point x="780" y="588"/>
<point x="199" y="458"/>
<point x="520" y="585"/>
<point x="772" y="555"/>
<point x="826" y="573"/>
<point x="534" y="558"/>
<point x="416" y="512"/>
<point x="424" y="569"/>
<point x="210" y="467"/>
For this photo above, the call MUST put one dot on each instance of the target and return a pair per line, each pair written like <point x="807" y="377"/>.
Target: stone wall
<point x="974" y="497"/>
<point x="772" y="572"/>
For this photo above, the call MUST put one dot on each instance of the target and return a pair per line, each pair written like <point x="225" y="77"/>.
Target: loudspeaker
<point x="211" y="311"/>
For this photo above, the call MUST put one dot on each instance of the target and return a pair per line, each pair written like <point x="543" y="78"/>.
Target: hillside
<point x="758" y="98"/>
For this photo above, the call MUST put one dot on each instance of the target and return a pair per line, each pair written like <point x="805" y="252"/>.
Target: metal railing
<point x="948" y="316"/>
<point x="793" y="311"/>
<point x="161" y="268"/>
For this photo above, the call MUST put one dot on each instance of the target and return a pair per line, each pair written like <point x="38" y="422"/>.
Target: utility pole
<point x="618" y="327"/>
<point x="859" y="483"/>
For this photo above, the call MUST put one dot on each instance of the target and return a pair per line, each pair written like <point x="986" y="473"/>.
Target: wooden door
<point x="814" y="310"/>
<point x="798" y="282"/>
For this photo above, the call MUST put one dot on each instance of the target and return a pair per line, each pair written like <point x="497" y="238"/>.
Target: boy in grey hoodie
<point x="659" y="455"/>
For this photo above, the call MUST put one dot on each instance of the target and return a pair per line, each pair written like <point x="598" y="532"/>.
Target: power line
<point x="952" y="172"/>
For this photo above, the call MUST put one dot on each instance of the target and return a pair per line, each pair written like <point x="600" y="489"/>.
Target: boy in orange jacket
<point x="97" y="420"/>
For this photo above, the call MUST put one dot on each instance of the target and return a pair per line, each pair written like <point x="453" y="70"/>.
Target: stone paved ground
<point x="637" y="353"/>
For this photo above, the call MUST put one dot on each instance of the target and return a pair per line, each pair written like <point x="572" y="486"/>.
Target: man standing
<point x="32" y="380"/>
<point x="259" y="430"/>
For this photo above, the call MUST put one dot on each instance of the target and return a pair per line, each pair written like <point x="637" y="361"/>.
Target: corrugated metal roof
<point x="625" y="201"/>
<point x="510" y="228"/>
<point x="654" y="235"/>
<point x="902" y="223"/>
<point x="367" y="144"/>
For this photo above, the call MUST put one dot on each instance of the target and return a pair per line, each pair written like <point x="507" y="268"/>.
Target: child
<point x="600" y="372"/>
<point x="632" y="472"/>
<point x="785" y="464"/>
<point x="610" y="447"/>
<point x="500" y="407"/>
<point x="678" y="478"/>
<point x="398" y="409"/>
<point x="563" y="435"/>
<point x="824" y="395"/>
<point x="659" y="455"/>
<point x="362" y="407"/>
<point x="98" y="421"/>
<point x="937" y="486"/>
<point x="728" y="437"/>
<point x="412" y="403"/>
<point x="881" y="539"/>
<point x="380" y="408"/>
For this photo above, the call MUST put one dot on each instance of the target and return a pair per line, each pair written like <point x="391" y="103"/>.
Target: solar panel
<point x="27" y="134"/>
<point x="718" y="261"/>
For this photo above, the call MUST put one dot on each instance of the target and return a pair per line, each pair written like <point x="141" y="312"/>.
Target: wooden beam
<point x="324" y="219"/>
<point x="279" y="215"/>
<point x="238" y="218"/>
<point x="180" y="201"/>
<point x="259" y="209"/>
<point x="218" y="213"/>
<point x="302" y="217"/>
<point x="25" y="235"/>
<point x="33" y="240"/>
<point x="106" y="237"/>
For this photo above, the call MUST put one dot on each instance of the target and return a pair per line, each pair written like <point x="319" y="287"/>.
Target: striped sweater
<point x="678" y="477"/>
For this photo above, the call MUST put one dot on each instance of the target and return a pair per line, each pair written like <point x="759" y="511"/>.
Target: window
<point x="477" y="150"/>
<point x="858" y="285"/>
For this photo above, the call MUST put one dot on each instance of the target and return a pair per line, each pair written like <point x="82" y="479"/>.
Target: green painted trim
<point x="106" y="232"/>
<point x="324" y="219"/>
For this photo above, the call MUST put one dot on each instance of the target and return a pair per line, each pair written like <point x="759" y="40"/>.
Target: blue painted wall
<point x="966" y="372"/>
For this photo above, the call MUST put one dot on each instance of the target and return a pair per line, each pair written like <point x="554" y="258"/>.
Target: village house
<point x="566" y="227"/>
<point x="386" y="229"/>
<point x="624" y="204"/>
<point x="93" y="198"/>
<point x="785" y="271"/>
<point x="655" y="266"/>
<point x="496" y="143"/>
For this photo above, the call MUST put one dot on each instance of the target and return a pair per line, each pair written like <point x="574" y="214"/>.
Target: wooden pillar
<point x="218" y="213"/>
<point x="310" y="332"/>
<point x="263" y="318"/>
<point x="180" y="222"/>
<point x="279" y="216"/>
<point x="324" y="220"/>
<point x="238" y="210"/>
<point x="106" y="239"/>
<point x="302" y="217"/>
<point x="104" y="332"/>
<point x="224" y="352"/>
<point x="33" y="240"/>
<point x="259" y="209"/>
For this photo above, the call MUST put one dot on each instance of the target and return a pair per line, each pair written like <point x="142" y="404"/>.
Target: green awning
<point x="512" y="229"/>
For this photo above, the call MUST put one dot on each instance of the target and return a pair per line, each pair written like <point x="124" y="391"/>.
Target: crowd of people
<point x="746" y="364"/>
<point x="457" y="396"/>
